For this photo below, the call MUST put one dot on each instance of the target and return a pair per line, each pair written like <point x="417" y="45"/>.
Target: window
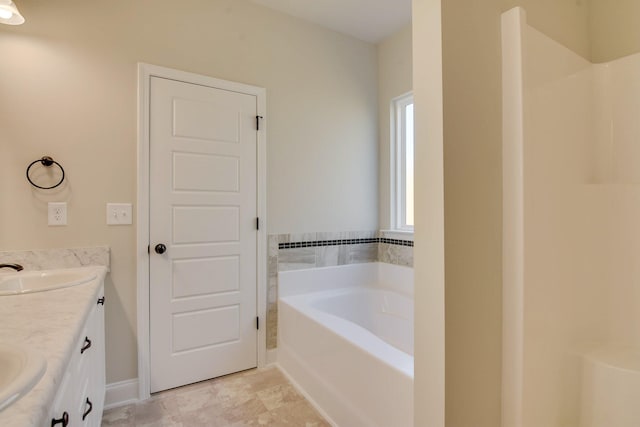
<point x="402" y="175"/>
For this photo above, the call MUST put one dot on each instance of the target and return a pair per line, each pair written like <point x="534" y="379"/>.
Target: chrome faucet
<point x="16" y="267"/>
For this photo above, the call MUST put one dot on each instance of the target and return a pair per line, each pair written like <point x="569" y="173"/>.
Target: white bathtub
<point x="345" y="338"/>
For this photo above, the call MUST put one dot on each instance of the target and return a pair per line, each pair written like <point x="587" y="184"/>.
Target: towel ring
<point x="47" y="162"/>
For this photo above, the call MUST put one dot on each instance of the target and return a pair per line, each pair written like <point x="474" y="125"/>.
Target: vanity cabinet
<point x="80" y="398"/>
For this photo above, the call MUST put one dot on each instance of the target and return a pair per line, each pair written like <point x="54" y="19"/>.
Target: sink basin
<point x="20" y="370"/>
<point x="38" y="281"/>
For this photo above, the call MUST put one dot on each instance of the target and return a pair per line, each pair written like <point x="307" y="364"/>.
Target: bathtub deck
<point x="255" y="397"/>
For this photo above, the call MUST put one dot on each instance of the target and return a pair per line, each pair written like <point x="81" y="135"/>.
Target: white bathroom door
<point x="203" y="208"/>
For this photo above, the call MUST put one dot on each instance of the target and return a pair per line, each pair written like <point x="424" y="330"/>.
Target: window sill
<point x="397" y="234"/>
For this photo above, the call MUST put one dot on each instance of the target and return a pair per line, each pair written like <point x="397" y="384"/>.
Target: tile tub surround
<point x="47" y="259"/>
<point x="288" y="252"/>
<point x="392" y="252"/>
<point x="55" y="320"/>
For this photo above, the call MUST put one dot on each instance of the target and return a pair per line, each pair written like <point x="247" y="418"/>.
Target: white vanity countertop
<point x="49" y="322"/>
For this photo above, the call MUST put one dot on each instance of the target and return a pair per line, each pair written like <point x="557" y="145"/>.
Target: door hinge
<point x="257" y="323"/>
<point x="258" y="122"/>
<point x="257" y="223"/>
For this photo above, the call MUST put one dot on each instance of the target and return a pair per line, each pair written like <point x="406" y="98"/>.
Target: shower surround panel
<point x="571" y="169"/>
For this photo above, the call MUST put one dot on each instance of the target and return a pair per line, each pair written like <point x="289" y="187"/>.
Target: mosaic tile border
<point x="395" y="241"/>
<point x="341" y="242"/>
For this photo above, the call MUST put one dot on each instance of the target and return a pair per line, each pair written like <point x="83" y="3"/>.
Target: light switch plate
<point x="119" y="214"/>
<point x="57" y="213"/>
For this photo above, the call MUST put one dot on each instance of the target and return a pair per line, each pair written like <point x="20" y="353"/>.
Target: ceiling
<point x="368" y="20"/>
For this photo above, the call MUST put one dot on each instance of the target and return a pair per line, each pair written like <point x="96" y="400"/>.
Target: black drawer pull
<point x="87" y="344"/>
<point x="88" y="411"/>
<point x="101" y="301"/>
<point x="64" y="420"/>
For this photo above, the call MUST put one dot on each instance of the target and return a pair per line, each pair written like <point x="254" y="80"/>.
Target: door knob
<point x="160" y="248"/>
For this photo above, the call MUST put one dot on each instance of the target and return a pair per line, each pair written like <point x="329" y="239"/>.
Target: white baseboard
<point x="272" y="356"/>
<point x="126" y="392"/>
<point x="121" y="393"/>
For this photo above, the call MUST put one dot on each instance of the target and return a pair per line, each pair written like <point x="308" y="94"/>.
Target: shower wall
<point x="618" y="175"/>
<point x="572" y="220"/>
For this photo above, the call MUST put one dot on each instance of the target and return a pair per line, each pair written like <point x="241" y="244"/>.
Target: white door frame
<point x="145" y="72"/>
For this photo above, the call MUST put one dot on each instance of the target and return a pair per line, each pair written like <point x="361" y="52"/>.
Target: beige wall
<point x="473" y="221"/>
<point x="566" y="21"/>
<point x="598" y="30"/>
<point x="394" y="79"/>
<point x="68" y="89"/>
<point x="429" y="375"/>
<point x="614" y="28"/>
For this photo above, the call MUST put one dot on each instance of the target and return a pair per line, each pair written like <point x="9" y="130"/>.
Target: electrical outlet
<point x="57" y="213"/>
<point x="119" y="214"/>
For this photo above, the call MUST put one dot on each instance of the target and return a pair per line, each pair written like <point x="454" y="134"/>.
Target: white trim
<point x="142" y="238"/>
<point x="513" y="23"/>
<point x="397" y="169"/>
<point x="397" y="234"/>
<point x="121" y="393"/>
<point x="145" y="72"/>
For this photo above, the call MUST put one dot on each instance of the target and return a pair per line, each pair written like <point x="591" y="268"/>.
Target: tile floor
<point x="258" y="397"/>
